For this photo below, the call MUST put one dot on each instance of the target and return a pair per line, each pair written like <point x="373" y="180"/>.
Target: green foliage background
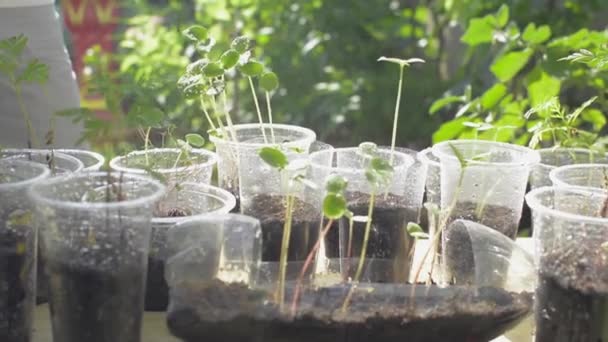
<point x="325" y="52"/>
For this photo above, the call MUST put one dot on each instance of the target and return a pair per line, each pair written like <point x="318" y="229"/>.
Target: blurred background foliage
<point x="325" y="53"/>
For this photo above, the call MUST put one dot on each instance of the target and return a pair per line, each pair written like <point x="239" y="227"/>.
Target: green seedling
<point x="379" y="174"/>
<point x="402" y="64"/>
<point x="334" y="208"/>
<point x="277" y="159"/>
<point x="20" y="73"/>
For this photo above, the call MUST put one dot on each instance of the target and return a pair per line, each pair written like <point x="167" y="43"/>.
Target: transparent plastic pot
<point x="96" y="250"/>
<point x="551" y="158"/>
<point x="571" y="237"/>
<point x="388" y="245"/>
<point x="490" y="188"/>
<point x="249" y="141"/>
<point x="204" y="306"/>
<point x="197" y="167"/>
<point x="59" y="163"/>
<point x="189" y="202"/>
<point x="92" y="161"/>
<point x="18" y="249"/>
<point x="433" y="176"/>
<point x="581" y="176"/>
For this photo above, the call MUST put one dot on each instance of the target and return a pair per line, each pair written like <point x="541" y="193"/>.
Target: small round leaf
<point x="240" y="44"/>
<point x="215" y="53"/>
<point x="336" y="184"/>
<point x="274" y="157"/>
<point x="196" y="33"/>
<point x="415" y="231"/>
<point x="334" y="206"/>
<point x="252" y="68"/>
<point x="213" y="69"/>
<point x="229" y="59"/>
<point x="269" y="81"/>
<point x="195" y="140"/>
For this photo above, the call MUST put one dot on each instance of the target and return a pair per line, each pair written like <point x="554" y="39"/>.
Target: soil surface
<point x="91" y="305"/>
<point x="389" y="246"/>
<point x="17" y="284"/>
<point x="379" y="313"/>
<point x="572" y="297"/>
<point x="270" y="210"/>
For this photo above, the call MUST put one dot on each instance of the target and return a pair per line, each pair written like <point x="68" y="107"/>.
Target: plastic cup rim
<point x="97" y="156"/>
<point x="408" y="160"/>
<point x="309" y="136"/>
<point x="114" y="163"/>
<point x="531" y="156"/>
<point x="535" y="204"/>
<point x="43" y="172"/>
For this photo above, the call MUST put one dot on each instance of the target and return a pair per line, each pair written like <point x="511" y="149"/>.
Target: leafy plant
<point x="20" y="72"/>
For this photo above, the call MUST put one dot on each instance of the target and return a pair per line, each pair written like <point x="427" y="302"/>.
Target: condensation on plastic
<point x="433" y="176"/>
<point x="92" y="161"/>
<point x="551" y="158"/>
<point x="59" y="163"/>
<point x="581" y="176"/>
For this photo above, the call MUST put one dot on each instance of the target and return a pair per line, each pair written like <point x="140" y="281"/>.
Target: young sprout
<point x="334" y="208"/>
<point x="252" y="69"/>
<point x="277" y="159"/>
<point x="19" y="74"/>
<point x="402" y="64"/>
<point x="379" y="174"/>
<point x="269" y="82"/>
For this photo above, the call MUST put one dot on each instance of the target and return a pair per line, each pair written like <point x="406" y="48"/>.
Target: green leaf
<point x="213" y="69"/>
<point x="461" y="159"/>
<point x="34" y="72"/>
<point x="595" y="117"/>
<point x="269" y="81"/>
<point x="401" y="62"/>
<point x="415" y="231"/>
<point x="380" y="165"/>
<point x="336" y="184"/>
<point x="535" y="35"/>
<point x="240" y="44"/>
<point x="14" y="46"/>
<point x="480" y="31"/>
<point x="195" y="140"/>
<point x="196" y="33"/>
<point x="151" y="116"/>
<point x="492" y="96"/>
<point x="572" y="117"/>
<point x="229" y="59"/>
<point x="443" y="102"/>
<point x="542" y="86"/>
<point x="502" y="16"/>
<point x="334" y="206"/>
<point x="508" y="65"/>
<point x="252" y="68"/>
<point x="449" y="130"/>
<point x="273" y="157"/>
<point x="215" y="53"/>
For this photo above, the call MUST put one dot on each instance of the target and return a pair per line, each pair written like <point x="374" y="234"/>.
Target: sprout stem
<point x="396" y="116"/>
<point x="270" y="117"/>
<point x="285" y="250"/>
<point x="146" y="144"/>
<point x="209" y="121"/>
<point x="32" y="141"/>
<point x="257" y="108"/>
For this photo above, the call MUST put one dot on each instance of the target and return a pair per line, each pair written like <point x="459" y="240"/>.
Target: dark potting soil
<point x="270" y="210"/>
<point x="220" y="312"/>
<point x="95" y="305"/>
<point x="501" y="219"/>
<point x="572" y="307"/>
<point x="17" y="284"/>
<point x="389" y="246"/>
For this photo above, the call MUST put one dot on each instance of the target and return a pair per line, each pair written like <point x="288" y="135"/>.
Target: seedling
<point x="334" y="208"/>
<point x="278" y="160"/>
<point x="402" y="64"/>
<point x="19" y="73"/>
<point x="379" y="174"/>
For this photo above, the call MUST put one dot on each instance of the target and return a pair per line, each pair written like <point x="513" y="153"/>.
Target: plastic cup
<point x="570" y="236"/>
<point x="551" y="158"/>
<point x="18" y="251"/>
<point x="59" y="163"/>
<point x="490" y="188"/>
<point x="389" y="245"/>
<point x="197" y="167"/>
<point x="191" y="201"/>
<point x="433" y="176"/>
<point x="96" y="249"/>
<point x="249" y="141"/>
<point x="581" y="175"/>
<point x="92" y="161"/>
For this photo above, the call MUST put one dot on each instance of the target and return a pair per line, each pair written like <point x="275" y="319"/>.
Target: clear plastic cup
<point x="189" y="202"/>
<point x="170" y="165"/>
<point x="490" y="188"/>
<point x="95" y="236"/>
<point x="581" y="175"/>
<point x="92" y="161"/>
<point x="249" y="141"/>
<point x="59" y="163"/>
<point x="18" y="248"/>
<point x="570" y="236"/>
<point x="389" y="245"/>
<point x="551" y="158"/>
<point x="433" y="176"/>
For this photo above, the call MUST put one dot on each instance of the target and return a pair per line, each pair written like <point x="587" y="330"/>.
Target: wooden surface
<point x="155" y="329"/>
